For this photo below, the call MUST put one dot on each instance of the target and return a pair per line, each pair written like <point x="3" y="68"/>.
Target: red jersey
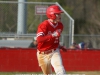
<point x="45" y="29"/>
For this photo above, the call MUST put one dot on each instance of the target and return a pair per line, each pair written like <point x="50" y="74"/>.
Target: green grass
<point x="40" y="73"/>
<point x="20" y="73"/>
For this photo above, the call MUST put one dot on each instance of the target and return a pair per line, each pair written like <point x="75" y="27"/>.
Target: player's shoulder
<point x="60" y="23"/>
<point x="44" y="23"/>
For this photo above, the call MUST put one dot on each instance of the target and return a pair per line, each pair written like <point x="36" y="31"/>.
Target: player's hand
<point x="63" y="48"/>
<point x="56" y="34"/>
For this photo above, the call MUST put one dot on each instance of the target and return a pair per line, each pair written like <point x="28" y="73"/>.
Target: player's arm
<point x="43" y="36"/>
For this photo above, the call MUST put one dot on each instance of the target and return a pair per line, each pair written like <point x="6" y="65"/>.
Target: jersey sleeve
<point x="42" y="30"/>
<point x="42" y="33"/>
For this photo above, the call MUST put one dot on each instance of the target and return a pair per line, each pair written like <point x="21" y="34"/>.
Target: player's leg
<point x="44" y="63"/>
<point x="56" y="62"/>
<point x="46" y="68"/>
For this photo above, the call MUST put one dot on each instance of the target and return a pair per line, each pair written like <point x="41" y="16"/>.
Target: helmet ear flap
<point x="53" y="16"/>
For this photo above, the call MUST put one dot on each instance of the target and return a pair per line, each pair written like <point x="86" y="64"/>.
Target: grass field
<point x="40" y="73"/>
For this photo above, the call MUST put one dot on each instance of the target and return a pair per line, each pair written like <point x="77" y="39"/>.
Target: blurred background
<point x="19" y="20"/>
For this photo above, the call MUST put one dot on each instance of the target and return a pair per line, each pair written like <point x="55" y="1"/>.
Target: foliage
<point x="86" y="14"/>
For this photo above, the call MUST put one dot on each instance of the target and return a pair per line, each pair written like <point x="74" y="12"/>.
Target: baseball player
<point x="48" y="47"/>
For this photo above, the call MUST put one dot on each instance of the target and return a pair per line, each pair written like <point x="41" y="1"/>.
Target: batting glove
<point x="56" y="34"/>
<point x="63" y="48"/>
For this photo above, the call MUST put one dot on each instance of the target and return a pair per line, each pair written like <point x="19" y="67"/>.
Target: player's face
<point x="58" y="17"/>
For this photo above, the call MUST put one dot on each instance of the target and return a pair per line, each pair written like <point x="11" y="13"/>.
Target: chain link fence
<point x="9" y="17"/>
<point x="9" y="24"/>
<point x="92" y="41"/>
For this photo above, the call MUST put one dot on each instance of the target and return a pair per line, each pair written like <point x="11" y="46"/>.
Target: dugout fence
<point x="25" y="60"/>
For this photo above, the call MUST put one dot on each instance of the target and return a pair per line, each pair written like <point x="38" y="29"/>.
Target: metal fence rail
<point x="23" y="40"/>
